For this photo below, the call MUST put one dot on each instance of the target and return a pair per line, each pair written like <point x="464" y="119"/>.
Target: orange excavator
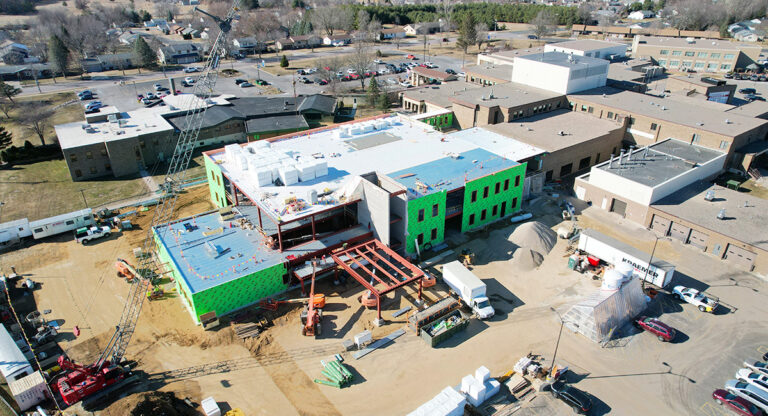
<point x="312" y="314"/>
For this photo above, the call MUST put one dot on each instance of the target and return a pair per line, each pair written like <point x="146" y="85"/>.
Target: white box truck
<point x="470" y="288"/>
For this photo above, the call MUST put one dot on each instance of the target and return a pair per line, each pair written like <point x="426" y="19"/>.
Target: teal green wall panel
<point x="440" y="122"/>
<point x="493" y="199"/>
<point x="430" y="222"/>
<point x="215" y="182"/>
<point x="178" y="281"/>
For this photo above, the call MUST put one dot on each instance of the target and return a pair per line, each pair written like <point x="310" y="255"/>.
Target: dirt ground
<point x="273" y="373"/>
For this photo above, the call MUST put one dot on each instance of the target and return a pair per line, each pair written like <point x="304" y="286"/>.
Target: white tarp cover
<point x="352" y="190"/>
<point x="595" y="316"/>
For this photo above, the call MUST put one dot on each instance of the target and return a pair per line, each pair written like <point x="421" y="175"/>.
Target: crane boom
<point x="177" y="170"/>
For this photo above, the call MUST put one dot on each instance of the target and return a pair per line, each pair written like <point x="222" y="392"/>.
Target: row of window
<point x="432" y="236"/>
<point x="435" y="212"/>
<point x="93" y="170"/>
<point x="496" y="189"/>
<point x="712" y="66"/>
<point x="713" y="55"/>
<point x="88" y="155"/>
<point x="496" y="210"/>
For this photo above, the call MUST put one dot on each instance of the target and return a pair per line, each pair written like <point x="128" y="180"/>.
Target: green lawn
<point x="43" y="189"/>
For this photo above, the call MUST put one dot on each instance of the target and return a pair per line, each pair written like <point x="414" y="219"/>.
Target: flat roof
<point x="433" y="73"/>
<point x="276" y="123"/>
<point x="707" y="44"/>
<point x="134" y="123"/>
<point x="620" y="72"/>
<point x="564" y="60"/>
<point x="511" y="54"/>
<point x="585" y="44"/>
<point x="507" y="95"/>
<point x="439" y="94"/>
<point x="498" y="143"/>
<point x="674" y="111"/>
<point x="757" y="109"/>
<point x="446" y="173"/>
<point x="495" y="71"/>
<point x="662" y="162"/>
<point x="543" y="130"/>
<point x="386" y="144"/>
<point x="745" y="215"/>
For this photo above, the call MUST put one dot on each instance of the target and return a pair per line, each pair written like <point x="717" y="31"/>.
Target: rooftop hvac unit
<point x="690" y="40"/>
<point x="721" y="214"/>
<point x="710" y="195"/>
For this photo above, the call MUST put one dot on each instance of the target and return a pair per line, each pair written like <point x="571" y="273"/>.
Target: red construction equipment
<point x="124" y="269"/>
<point x="312" y="314"/>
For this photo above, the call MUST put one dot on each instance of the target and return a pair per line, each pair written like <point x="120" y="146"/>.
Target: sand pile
<point x="526" y="259"/>
<point x="535" y="236"/>
<point x="160" y="403"/>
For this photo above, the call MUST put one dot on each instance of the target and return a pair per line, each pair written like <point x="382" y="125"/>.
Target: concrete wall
<point x="126" y="155"/>
<point x="603" y="199"/>
<point x="398" y="208"/>
<point x="373" y="211"/>
<point x="87" y="162"/>
<point x="625" y="189"/>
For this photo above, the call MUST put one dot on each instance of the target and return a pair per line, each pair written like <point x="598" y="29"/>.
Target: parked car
<point x="748" y="91"/>
<point x="578" y="400"/>
<point x="305" y="80"/>
<point x="736" y="403"/>
<point x="753" y="77"/>
<point x="705" y="303"/>
<point x="748" y="392"/>
<point x="729" y="75"/>
<point x="93" y="106"/>
<point x="86" y="234"/>
<point x="351" y="71"/>
<point x="662" y="331"/>
<point x="378" y="61"/>
<point x="321" y="82"/>
<point x="462" y="74"/>
<point x="532" y="37"/>
<point x="761" y="78"/>
<point x="151" y="96"/>
<point x="310" y="70"/>
<point x="391" y="81"/>
<point x="191" y="69"/>
<point x="406" y="84"/>
<point x="158" y="87"/>
<point x="758" y="380"/>
<point x="189" y="80"/>
<point x="240" y="81"/>
<point x="260" y="82"/>
<point x="384" y="71"/>
<point x="246" y="84"/>
<point x="347" y="78"/>
<point x="450" y="71"/>
<point x="85" y="97"/>
<point x="411" y="57"/>
<point x="753" y="97"/>
<point x="757" y="366"/>
<point x="146" y="101"/>
<point x="430" y="65"/>
<point x="301" y="72"/>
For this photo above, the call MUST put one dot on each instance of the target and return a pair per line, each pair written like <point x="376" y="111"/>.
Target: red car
<point x="663" y="331"/>
<point x="736" y="403"/>
<point x="411" y="57"/>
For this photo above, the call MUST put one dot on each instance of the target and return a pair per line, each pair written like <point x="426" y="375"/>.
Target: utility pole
<point x="650" y="261"/>
<point x="82" y="192"/>
<point x="557" y="344"/>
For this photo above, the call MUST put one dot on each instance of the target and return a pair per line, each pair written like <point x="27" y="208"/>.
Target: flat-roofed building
<point x="711" y="89"/>
<point x="560" y="72"/>
<point x="488" y="74"/>
<point x="506" y="57"/>
<point x="421" y="76"/>
<point x="700" y="55"/>
<point x="573" y="142"/>
<point x="651" y="119"/>
<point x="590" y="47"/>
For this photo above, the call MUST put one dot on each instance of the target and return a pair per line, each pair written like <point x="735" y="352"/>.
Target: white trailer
<point x="13" y="363"/>
<point x="613" y="251"/>
<point x="29" y="390"/>
<point x="469" y="287"/>
<point x="62" y="223"/>
<point x="13" y="231"/>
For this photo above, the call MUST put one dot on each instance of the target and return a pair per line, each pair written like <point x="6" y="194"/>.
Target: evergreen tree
<point x="6" y="138"/>
<point x="58" y="55"/>
<point x="284" y="62"/>
<point x="467" y="32"/>
<point x="145" y="57"/>
<point x="374" y="92"/>
<point x="383" y="102"/>
<point x="9" y="91"/>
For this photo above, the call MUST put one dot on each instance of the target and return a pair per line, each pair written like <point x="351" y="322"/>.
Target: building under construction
<point x="363" y="195"/>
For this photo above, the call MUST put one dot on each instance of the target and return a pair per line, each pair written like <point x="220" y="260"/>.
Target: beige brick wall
<point x="601" y="147"/>
<point x="596" y="196"/>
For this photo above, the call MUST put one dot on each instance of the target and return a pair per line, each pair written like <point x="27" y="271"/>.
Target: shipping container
<point x="13" y="363"/>
<point x="29" y="390"/>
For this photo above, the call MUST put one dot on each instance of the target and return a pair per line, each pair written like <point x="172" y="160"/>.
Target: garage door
<point x="698" y="239"/>
<point x="679" y="232"/>
<point x="740" y="257"/>
<point x="618" y="206"/>
<point x="660" y="224"/>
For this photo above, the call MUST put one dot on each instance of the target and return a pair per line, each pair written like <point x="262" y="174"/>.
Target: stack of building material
<point x="306" y="171"/>
<point x="480" y="387"/>
<point x="448" y="402"/>
<point x="336" y="373"/>
<point x="288" y="175"/>
<point x="321" y="168"/>
<point x="231" y="151"/>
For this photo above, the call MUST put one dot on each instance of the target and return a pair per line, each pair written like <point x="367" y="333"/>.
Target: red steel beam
<point x="366" y="270"/>
<point x="376" y="266"/>
<point x="353" y="273"/>
<point x="399" y="258"/>
<point x="388" y="263"/>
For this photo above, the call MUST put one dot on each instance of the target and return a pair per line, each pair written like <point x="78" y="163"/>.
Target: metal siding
<point x="740" y="257"/>
<point x="679" y="232"/>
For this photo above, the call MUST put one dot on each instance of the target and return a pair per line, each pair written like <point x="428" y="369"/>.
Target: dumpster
<point x="434" y="312"/>
<point x="440" y="330"/>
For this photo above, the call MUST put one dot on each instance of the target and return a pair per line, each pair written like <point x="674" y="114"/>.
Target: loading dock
<point x="660" y="225"/>
<point x="698" y="239"/>
<point x="740" y="257"/>
<point x="679" y="232"/>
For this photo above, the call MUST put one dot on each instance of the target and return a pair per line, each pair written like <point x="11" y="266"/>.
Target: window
<point x="433" y="234"/>
<point x="93" y="170"/>
<point x="725" y="67"/>
<point x="495" y="210"/>
<point x="517" y="181"/>
<point x="687" y="64"/>
<point x="696" y="138"/>
<point x="483" y="214"/>
<point x="714" y="56"/>
<point x="654" y="126"/>
<point x="107" y="167"/>
<point x="421" y="215"/>
<point x="88" y="155"/>
<point x="584" y="163"/>
<point x="689" y="53"/>
<point x="610" y="114"/>
<point x="723" y="144"/>
<point x="664" y="52"/>
<point x="471" y="219"/>
<point x="548" y="175"/>
<point x="566" y="169"/>
<point x="78" y="173"/>
<point x="474" y="196"/>
<point x="699" y="65"/>
<point x="702" y="55"/>
<point x="597" y="158"/>
<point x="70" y="222"/>
<point x="485" y="192"/>
<point x="73" y="157"/>
<point x="711" y="67"/>
<point x="103" y="152"/>
<point x="674" y="63"/>
<point x="506" y="184"/>
<point x="38" y="230"/>
<point x="420" y="239"/>
<point x="583" y="108"/>
<point x="514" y="202"/>
<point x="662" y="62"/>
<point x="728" y="56"/>
<point x="677" y="53"/>
<point x="590" y="110"/>
<point x="435" y="210"/>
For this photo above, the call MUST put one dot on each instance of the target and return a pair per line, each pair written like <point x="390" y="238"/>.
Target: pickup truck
<point x="84" y="235"/>
<point x="703" y="301"/>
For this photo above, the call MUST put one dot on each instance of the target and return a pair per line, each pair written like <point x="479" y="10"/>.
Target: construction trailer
<point x="13" y="363"/>
<point x="12" y="232"/>
<point x="62" y="223"/>
<point x="655" y="271"/>
<point x="29" y="390"/>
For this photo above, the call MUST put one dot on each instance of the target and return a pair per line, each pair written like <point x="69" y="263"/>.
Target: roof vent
<point x="727" y="121"/>
<point x="663" y="107"/>
<point x="561" y="133"/>
<point x="699" y="123"/>
<point x="710" y="195"/>
<point x="721" y="214"/>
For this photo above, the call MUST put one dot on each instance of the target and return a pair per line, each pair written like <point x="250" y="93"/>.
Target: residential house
<point x="159" y="24"/>
<point x="422" y="28"/>
<point x="337" y="40"/>
<point x="746" y="35"/>
<point x="129" y="37"/>
<point x="282" y="44"/>
<point x="306" y="41"/>
<point x="393" y="33"/>
<point x="245" y="45"/>
<point x="189" y="2"/>
<point x="179" y="53"/>
<point x="14" y="53"/>
<point x="19" y="72"/>
<point x="640" y="15"/>
<point x="189" y="33"/>
<point x="114" y="61"/>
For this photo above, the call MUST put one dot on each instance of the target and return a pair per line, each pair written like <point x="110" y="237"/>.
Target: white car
<point x="391" y="81"/>
<point x="757" y="366"/>
<point x="310" y="70"/>
<point x="406" y="84"/>
<point x="430" y="65"/>
<point x="462" y="74"/>
<point x="93" y="106"/>
<point x="758" y="380"/>
<point x="189" y="80"/>
<point x="191" y="69"/>
<point x="703" y="301"/>
<point x="351" y="71"/>
<point x="748" y="392"/>
<point x="378" y="61"/>
<point x="384" y="71"/>
<point x="159" y="87"/>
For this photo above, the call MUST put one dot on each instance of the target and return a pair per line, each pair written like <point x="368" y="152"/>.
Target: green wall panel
<point x="215" y="182"/>
<point x="441" y="122"/>
<point x="241" y="292"/>
<point x="493" y="198"/>
<point x="429" y="223"/>
<point x="178" y="281"/>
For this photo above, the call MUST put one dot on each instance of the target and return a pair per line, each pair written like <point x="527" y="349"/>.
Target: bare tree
<point x="362" y="20"/>
<point x="361" y="60"/>
<point x="35" y="116"/>
<point x="327" y="69"/>
<point x="605" y="21"/>
<point x="374" y="30"/>
<point x="446" y="12"/>
<point x="328" y="19"/>
<point x="584" y="13"/>
<point x="482" y="34"/>
<point x="543" y="24"/>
